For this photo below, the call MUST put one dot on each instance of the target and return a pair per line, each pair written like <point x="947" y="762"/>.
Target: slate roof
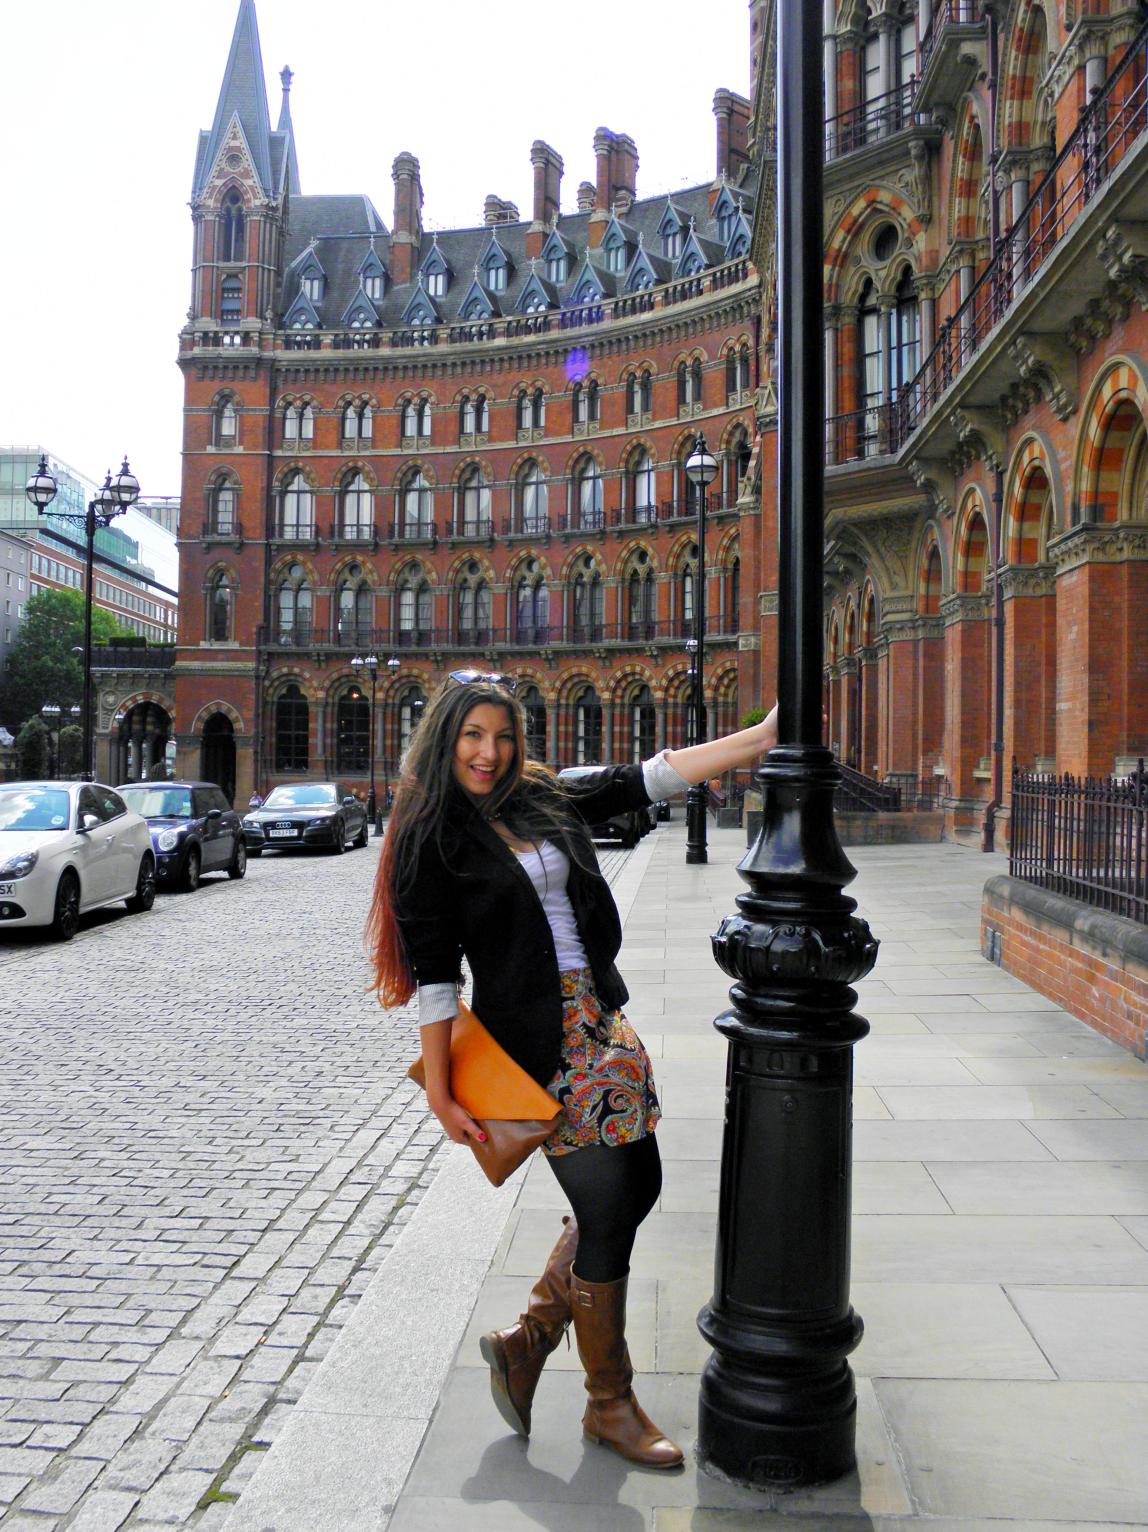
<point x="243" y="95"/>
<point x="342" y="229"/>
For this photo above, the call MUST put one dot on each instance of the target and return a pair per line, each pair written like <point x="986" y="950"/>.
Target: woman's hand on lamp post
<point x="698" y="763"/>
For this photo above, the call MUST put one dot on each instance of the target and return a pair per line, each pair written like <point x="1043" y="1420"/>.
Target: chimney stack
<point x="585" y="196"/>
<point x="496" y="211"/>
<point x="732" y="114"/>
<point x="625" y="173"/>
<point x="548" y="168"/>
<point x="407" y="228"/>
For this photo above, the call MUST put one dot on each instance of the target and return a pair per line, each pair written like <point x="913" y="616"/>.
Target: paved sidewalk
<point x="1000" y="1262"/>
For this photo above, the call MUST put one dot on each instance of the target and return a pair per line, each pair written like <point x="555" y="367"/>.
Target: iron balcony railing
<point x="354" y="637"/>
<point x="874" y="119"/>
<point x="1083" y="837"/>
<point x="946" y="14"/>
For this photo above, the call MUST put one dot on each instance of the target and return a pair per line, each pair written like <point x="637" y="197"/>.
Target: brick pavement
<point x="207" y="1146"/>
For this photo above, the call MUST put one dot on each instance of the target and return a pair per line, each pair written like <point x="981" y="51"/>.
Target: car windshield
<point x="158" y="802"/>
<point x="299" y="797"/>
<point x="33" y="808"/>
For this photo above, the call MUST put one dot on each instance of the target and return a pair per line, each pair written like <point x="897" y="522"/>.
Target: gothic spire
<point x="243" y="95"/>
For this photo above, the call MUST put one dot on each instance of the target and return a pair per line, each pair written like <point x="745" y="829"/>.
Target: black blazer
<point x="475" y="900"/>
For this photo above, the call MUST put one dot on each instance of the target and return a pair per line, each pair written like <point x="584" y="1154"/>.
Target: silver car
<point x="67" y="848"/>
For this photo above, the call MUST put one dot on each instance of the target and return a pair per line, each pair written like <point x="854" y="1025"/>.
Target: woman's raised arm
<point x="698" y="763"/>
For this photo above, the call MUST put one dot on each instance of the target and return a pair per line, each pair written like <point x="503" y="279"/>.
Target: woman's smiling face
<point x="484" y="749"/>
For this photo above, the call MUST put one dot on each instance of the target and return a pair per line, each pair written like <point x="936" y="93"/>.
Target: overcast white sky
<point x="98" y="121"/>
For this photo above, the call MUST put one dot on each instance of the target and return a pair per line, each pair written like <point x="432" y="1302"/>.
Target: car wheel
<point x="360" y="840"/>
<point x="190" y="880"/>
<point x="144" y="897"/>
<point x="340" y="839"/>
<point x="239" y="861"/>
<point x="66" y="916"/>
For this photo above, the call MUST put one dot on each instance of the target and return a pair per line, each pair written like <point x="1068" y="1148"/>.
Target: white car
<point x="66" y="848"/>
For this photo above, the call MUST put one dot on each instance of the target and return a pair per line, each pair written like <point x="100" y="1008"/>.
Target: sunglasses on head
<point x="492" y="678"/>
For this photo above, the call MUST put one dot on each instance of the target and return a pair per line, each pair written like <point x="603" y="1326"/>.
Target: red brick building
<point x="460" y="449"/>
<point x="986" y="270"/>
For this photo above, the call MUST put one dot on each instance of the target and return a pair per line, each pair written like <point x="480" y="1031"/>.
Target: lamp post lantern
<point x="371" y="665"/>
<point x="701" y="471"/>
<point x="778" y="1404"/>
<point x="113" y="498"/>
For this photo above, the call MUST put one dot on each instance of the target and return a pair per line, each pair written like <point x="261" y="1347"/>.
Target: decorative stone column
<point x="967" y="706"/>
<point x="847" y="707"/>
<point x="1029" y="593"/>
<point x="829" y="23"/>
<point x="867" y="744"/>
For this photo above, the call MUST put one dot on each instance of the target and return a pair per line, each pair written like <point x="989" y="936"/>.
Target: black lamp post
<point x="701" y="471"/>
<point x="115" y="496"/>
<point x="393" y="665"/>
<point x="371" y="665"/>
<point x="778" y="1404"/>
<point x="50" y="713"/>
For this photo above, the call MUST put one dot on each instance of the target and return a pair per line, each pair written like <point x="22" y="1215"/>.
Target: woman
<point x="488" y="857"/>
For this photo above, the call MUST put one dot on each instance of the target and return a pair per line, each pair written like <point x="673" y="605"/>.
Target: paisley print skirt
<point x="604" y="1083"/>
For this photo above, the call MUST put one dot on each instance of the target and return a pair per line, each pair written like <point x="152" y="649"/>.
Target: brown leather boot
<point x="518" y="1355"/>
<point x="613" y="1416"/>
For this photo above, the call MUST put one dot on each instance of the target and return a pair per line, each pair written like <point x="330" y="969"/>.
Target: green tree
<point x="71" y="750"/>
<point x="751" y="716"/>
<point x="32" y="750"/>
<point x="41" y="664"/>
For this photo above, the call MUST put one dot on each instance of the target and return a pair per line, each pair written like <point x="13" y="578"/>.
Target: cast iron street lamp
<point x="701" y="470"/>
<point x="113" y="499"/>
<point x="371" y="665"/>
<point x="778" y="1405"/>
<point x="393" y="665"/>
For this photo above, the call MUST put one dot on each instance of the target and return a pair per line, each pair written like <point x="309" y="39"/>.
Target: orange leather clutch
<point x="512" y="1109"/>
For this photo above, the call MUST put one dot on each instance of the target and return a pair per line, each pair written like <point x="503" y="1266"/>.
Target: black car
<point x="193" y="830"/>
<point x="626" y="828"/>
<point x="325" y="814"/>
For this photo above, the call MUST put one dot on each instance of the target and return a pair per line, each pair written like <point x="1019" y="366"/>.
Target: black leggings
<point x="610" y="1191"/>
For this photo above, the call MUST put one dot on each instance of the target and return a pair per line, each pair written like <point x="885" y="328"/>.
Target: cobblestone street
<point x="207" y="1146"/>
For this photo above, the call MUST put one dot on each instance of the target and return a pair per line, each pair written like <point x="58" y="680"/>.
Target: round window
<point x="885" y="242"/>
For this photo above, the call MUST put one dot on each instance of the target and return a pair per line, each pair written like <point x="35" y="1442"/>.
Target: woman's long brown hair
<point x="527" y="797"/>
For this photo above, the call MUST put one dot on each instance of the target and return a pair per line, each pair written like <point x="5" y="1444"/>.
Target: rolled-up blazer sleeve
<point x="427" y="913"/>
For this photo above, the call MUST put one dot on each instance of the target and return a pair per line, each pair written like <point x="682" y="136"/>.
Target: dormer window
<point x="725" y="223"/>
<point x="535" y="303"/>
<point x="672" y="244"/>
<point x="436" y="284"/>
<point x="496" y="276"/>
<point x="616" y="257"/>
<point x="312" y="286"/>
<point x="556" y="268"/>
<point x="373" y="285"/>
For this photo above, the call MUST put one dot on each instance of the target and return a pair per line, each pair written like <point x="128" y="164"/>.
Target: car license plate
<point x="283" y="834"/>
<point x="7" y="890"/>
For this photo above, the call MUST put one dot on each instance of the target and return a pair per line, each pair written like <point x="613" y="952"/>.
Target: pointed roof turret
<point x="243" y="95"/>
<point x="283" y="145"/>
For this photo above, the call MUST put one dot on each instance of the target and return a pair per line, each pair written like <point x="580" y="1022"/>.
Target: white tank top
<point x="549" y="869"/>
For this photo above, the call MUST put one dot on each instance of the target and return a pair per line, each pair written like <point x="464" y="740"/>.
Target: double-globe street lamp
<point x="701" y="471"/>
<point x="114" y="497"/>
<point x="369" y="665"/>
<point x="53" y="715"/>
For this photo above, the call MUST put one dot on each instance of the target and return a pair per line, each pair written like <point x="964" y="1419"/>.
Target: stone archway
<point x="142" y="748"/>
<point x="217" y="754"/>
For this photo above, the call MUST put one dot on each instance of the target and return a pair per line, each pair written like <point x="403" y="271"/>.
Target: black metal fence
<point x="1084" y="837"/>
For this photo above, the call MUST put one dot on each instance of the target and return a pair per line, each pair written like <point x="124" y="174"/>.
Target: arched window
<point x="532" y="499"/>
<point x="293" y="608"/>
<point x="643" y="487"/>
<point x="415" y="610"/>
<point x="221" y="507"/>
<point x="531" y="606"/>
<point x="292" y="730"/>
<point x="588" y="604"/>
<point x="587" y="728"/>
<point x="689" y="384"/>
<point x="633" y="407"/>
<point x="585" y="403"/>
<point x="688" y="494"/>
<point x="466" y="417"/>
<point x="904" y="338"/>
<point x="410" y="711"/>
<point x="870" y="357"/>
<point x="481" y="414"/>
<point x="230" y="301"/>
<point x="732" y="623"/>
<point x="354" y="608"/>
<point x="472" y="608"/>
<point x="418" y="504"/>
<point x="219" y="610"/>
<point x="524" y="412"/>
<point x="296" y="508"/>
<point x="352" y="733"/>
<point x="299" y="424"/>
<point x="358" y="518"/>
<point x="737" y="371"/>
<point x="424" y="419"/>
<point x="358" y="422"/>
<point x="643" y="724"/>
<point x="231" y="228"/>
<point x="534" y="722"/>
<point x="409" y="420"/>
<point x="687" y="587"/>
<point x="588" y="493"/>
<point x="641" y="600"/>
<point x="226" y="423"/>
<point x="476" y="506"/>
